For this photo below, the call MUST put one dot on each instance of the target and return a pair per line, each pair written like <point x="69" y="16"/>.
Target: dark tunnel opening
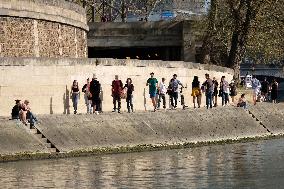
<point x="142" y="53"/>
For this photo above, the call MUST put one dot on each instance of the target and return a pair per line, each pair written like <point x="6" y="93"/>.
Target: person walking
<point x="208" y="85"/>
<point x="129" y="94"/>
<point x="75" y="94"/>
<point x="95" y="90"/>
<point x="88" y="96"/>
<point x="233" y="90"/>
<point x="116" y="90"/>
<point x="174" y="86"/>
<point x="196" y="91"/>
<point x="162" y="93"/>
<point x="256" y="85"/>
<point x="224" y="86"/>
<point x="215" y="92"/>
<point x="274" y="91"/>
<point x="152" y="83"/>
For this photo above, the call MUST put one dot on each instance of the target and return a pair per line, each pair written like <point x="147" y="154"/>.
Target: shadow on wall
<point x="66" y="101"/>
<point x="51" y="108"/>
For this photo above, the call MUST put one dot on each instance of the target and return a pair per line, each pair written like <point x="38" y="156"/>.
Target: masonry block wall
<point x="42" y="29"/>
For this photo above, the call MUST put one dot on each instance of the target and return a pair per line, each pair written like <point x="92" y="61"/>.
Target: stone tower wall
<point x="43" y="29"/>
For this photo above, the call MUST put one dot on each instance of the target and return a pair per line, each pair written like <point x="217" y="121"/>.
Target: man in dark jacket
<point x="95" y="89"/>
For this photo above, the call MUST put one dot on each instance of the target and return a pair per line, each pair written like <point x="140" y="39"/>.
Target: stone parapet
<point x="60" y="11"/>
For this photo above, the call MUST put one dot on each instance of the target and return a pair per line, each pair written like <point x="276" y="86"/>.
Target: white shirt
<point x="162" y="88"/>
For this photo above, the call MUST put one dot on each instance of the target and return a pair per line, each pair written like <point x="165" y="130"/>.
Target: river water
<point x="244" y="165"/>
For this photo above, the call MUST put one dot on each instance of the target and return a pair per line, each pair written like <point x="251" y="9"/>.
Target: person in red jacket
<point x="116" y="90"/>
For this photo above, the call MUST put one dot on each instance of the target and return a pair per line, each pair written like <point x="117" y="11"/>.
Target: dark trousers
<point x="162" y="97"/>
<point x="209" y="99"/>
<point x="129" y="103"/>
<point x="116" y="97"/>
<point x="174" y="99"/>
<point x="225" y="98"/>
<point x="31" y="117"/>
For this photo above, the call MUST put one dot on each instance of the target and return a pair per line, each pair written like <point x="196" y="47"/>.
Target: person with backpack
<point x="116" y="90"/>
<point x="95" y="90"/>
<point x="88" y="96"/>
<point x="208" y="87"/>
<point x="174" y="86"/>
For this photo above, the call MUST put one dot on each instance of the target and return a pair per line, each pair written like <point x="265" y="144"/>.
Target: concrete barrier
<point x="46" y="82"/>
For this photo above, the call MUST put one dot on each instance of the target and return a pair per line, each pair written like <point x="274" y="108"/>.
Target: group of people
<point x="157" y="91"/>
<point x="22" y="111"/>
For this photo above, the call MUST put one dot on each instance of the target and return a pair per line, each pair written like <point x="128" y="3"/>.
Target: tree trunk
<point x="208" y="39"/>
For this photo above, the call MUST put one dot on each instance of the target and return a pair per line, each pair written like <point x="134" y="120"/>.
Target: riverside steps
<point x="76" y="135"/>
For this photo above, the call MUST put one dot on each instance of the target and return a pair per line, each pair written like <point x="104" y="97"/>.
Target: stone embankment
<point x="74" y="135"/>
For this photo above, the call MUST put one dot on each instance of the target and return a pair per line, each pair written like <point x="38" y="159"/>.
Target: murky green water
<point x="248" y="165"/>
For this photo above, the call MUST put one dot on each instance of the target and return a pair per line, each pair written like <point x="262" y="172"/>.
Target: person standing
<point x="116" y="90"/>
<point x="162" y="93"/>
<point x="264" y="89"/>
<point x="224" y="86"/>
<point x="152" y="83"/>
<point x="95" y="89"/>
<point x="196" y="91"/>
<point x="256" y="85"/>
<point x="129" y="94"/>
<point x="88" y="96"/>
<point x="233" y="90"/>
<point x="174" y="86"/>
<point x="274" y="91"/>
<point x="215" y="92"/>
<point x="208" y="85"/>
<point x="75" y="94"/>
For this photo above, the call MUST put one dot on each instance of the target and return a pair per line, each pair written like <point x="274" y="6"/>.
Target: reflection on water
<point x="248" y="165"/>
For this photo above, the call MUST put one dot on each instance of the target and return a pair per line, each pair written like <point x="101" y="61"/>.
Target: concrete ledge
<point x="79" y="135"/>
<point x="109" y="62"/>
<point x="50" y="10"/>
<point x="16" y="139"/>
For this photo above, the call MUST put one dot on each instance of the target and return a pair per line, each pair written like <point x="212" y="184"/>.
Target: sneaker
<point x="118" y="111"/>
<point x="114" y="110"/>
<point x="97" y="113"/>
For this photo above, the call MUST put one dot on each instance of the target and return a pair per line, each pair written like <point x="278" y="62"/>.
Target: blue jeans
<point x="209" y="99"/>
<point x="225" y="98"/>
<point x="75" y="99"/>
<point x="32" y="118"/>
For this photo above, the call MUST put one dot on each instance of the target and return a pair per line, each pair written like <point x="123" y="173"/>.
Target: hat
<point x="152" y="73"/>
<point x="17" y="100"/>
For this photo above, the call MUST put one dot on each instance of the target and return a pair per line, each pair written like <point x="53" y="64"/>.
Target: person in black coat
<point x="95" y="89"/>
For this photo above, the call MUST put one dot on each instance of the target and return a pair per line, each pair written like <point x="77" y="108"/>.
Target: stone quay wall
<point x="42" y="28"/>
<point x="46" y="82"/>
